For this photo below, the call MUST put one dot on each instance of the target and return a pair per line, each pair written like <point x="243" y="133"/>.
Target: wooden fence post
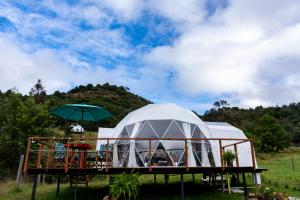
<point x="27" y="156"/>
<point x="106" y="159"/>
<point x="236" y="155"/>
<point x="221" y="155"/>
<point x="150" y="169"/>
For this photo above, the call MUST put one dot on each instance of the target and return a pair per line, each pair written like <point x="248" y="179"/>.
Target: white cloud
<point x="21" y="69"/>
<point x="246" y="52"/>
<point x="235" y="50"/>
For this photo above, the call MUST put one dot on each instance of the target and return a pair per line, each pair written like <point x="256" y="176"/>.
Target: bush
<point x="125" y="186"/>
<point x="228" y="157"/>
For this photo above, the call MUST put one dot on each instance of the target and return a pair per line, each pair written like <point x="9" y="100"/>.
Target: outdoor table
<point x="82" y="147"/>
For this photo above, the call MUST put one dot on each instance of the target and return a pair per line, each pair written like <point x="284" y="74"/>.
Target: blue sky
<point x="190" y="52"/>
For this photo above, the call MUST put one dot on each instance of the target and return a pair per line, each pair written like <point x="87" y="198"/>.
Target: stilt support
<point x="222" y="182"/>
<point x="75" y="192"/>
<point x="155" y="179"/>
<point x="245" y="187"/>
<point x="193" y="176"/>
<point x="181" y="187"/>
<point x="34" y="187"/>
<point x="58" y="185"/>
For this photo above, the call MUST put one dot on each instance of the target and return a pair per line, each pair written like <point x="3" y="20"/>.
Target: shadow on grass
<point x="148" y="192"/>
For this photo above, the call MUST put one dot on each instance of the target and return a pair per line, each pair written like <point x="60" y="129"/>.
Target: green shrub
<point x="125" y="186"/>
<point x="228" y="157"/>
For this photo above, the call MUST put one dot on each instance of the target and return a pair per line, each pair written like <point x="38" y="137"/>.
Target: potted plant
<point x="228" y="157"/>
<point x="125" y="186"/>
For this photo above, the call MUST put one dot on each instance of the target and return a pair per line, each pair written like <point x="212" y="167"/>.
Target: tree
<point x="272" y="135"/>
<point x="38" y="91"/>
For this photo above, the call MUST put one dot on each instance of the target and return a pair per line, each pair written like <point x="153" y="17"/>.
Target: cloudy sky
<point x="191" y="52"/>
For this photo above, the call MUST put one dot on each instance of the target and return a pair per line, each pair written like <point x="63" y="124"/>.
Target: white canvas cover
<point x="160" y="121"/>
<point x="171" y="121"/>
<point x="225" y="130"/>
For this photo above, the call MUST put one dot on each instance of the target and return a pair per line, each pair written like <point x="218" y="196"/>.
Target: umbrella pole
<point x="81" y="124"/>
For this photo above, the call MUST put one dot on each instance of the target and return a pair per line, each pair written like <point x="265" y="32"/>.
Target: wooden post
<point x="39" y="158"/>
<point x="58" y="185"/>
<point x="193" y="177"/>
<point x="186" y="155"/>
<point x="245" y="186"/>
<point x="252" y="155"/>
<point x="34" y="187"/>
<point x="106" y="159"/>
<point x="222" y="181"/>
<point x="150" y="169"/>
<point x="221" y="154"/>
<point x="67" y="157"/>
<point x="155" y="179"/>
<point x="75" y="192"/>
<point x="48" y="158"/>
<point x="181" y="187"/>
<point x="19" y="170"/>
<point x="228" y="182"/>
<point x="97" y="160"/>
<point x="27" y="156"/>
<point x="236" y="156"/>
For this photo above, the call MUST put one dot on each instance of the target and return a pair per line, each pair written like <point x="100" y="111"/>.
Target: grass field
<point x="280" y="176"/>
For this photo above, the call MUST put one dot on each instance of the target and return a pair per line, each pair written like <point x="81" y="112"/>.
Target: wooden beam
<point x="175" y="139"/>
<point x="34" y="187"/>
<point x="181" y="187"/>
<point x="245" y="186"/>
<point x="27" y="156"/>
<point x="221" y="154"/>
<point x="252" y="155"/>
<point x="236" y="155"/>
<point x="150" y="169"/>
<point x="48" y="158"/>
<point x="39" y="157"/>
<point x="236" y="143"/>
<point x="106" y="159"/>
<point x="58" y="185"/>
<point x="186" y="155"/>
<point x="67" y="157"/>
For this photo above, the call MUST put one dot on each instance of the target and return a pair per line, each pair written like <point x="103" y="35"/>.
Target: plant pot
<point x="107" y="197"/>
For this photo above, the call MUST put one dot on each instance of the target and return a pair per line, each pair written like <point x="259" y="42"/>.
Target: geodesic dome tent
<point x="160" y="122"/>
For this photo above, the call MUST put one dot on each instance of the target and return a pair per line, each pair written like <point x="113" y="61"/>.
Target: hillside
<point x="288" y="116"/>
<point x="118" y="100"/>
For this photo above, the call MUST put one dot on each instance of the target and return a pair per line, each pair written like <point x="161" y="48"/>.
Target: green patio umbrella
<point x="81" y="112"/>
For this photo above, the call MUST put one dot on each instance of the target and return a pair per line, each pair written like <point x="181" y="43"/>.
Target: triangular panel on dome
<point x="123" y="153"/>
<point x="161" y="157"/>
<point x="146" y="131"/>
<point x="174" y="131"/>
<point x="197" y="151"/>
<point x="124" y="133"/>
<point x="180" y="125"/>
<point x="130" y="129"/>
<point x="142" y="148"/>
<point x="176" y="155"/>
<point x="197" y="133"/>
<point x="160" y="126"/>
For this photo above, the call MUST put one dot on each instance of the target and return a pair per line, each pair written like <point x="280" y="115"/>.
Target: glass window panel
<point x="160" y="126"/>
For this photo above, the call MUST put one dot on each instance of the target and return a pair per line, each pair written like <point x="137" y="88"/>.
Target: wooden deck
<point x="44" y="157"/>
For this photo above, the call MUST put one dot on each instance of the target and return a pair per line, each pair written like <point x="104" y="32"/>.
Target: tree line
<point x="23" y="116"/>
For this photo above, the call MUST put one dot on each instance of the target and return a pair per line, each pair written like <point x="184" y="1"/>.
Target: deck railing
<point x="44" y="153"/>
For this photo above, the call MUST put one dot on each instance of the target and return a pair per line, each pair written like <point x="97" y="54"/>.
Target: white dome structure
<point x="161" y="122"/>
<point x="172" y="130"/>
